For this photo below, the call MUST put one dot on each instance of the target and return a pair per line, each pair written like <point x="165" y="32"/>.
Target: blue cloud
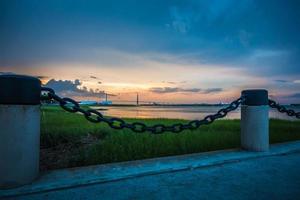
<point x="73" y="88"/>
<point x="227" y="32"/>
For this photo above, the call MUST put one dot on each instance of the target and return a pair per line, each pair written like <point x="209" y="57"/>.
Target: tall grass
<point x="59" y="127"/>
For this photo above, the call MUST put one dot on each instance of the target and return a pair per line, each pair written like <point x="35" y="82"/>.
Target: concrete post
<point x="255" y="120"/>
<point x="19" y="130"/>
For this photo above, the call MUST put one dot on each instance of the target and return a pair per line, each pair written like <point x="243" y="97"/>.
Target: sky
<point x="189" y="51"/>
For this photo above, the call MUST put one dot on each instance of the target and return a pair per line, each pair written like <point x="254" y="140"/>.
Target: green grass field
<point x="69" y="140"/>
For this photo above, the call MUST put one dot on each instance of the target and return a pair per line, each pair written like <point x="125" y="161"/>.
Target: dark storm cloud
<point x="64" y="85"/>
<point x="258" y="35"/>
<point x="68" y="87"/>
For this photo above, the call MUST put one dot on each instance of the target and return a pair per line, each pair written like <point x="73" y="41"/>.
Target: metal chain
<point x="94" y="116"/>
<point x="283" y="109"/>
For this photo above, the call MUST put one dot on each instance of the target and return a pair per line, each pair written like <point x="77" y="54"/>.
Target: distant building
<point x="106" y="102"/>
<point x="88" y="102"/>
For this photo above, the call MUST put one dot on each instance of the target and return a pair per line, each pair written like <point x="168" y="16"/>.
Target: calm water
<point x="177" y="112"/>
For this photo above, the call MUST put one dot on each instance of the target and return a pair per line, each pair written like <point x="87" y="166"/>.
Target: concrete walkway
<point x="219" y="175"/>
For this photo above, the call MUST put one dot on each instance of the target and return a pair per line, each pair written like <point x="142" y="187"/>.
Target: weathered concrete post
<point x="255" y="120"/>
<point x="19" y="130"/>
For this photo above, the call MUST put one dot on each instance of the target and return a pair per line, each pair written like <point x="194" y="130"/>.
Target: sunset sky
<point x="188" y="51"/>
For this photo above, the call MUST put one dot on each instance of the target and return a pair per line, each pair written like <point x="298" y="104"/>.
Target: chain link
<point x="94" y="116"/>
<point x="283" y="109"/>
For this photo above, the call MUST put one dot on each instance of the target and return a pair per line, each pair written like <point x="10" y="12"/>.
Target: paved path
<point x="271" y="177"/>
